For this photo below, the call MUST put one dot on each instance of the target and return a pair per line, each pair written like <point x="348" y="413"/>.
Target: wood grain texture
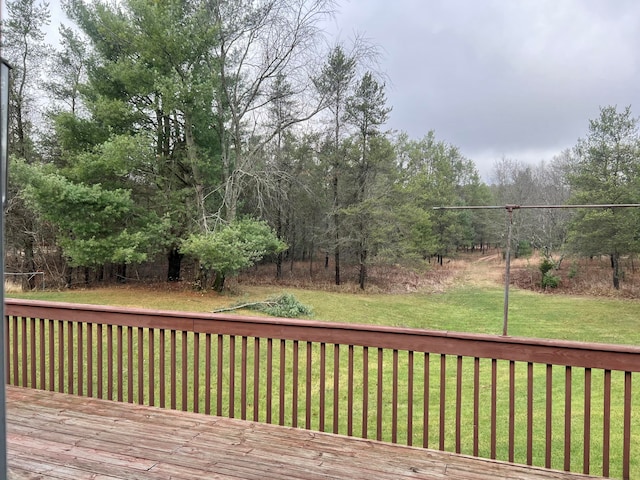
<point x="58" y="436"/>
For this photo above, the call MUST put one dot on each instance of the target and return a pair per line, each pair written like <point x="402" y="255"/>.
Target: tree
<point x="435" y="173"/>
<point x="145" y="80"/>
<point x="68" y="70"/>
<point x="94" y="225"/>
<point x="367" y="111"/>
<point x="605" y="170"/>
<point x="24" y="47"/>
<point x="335" y="84"/>
<point x="259" y="43"/>
<point x="230" y="249"/>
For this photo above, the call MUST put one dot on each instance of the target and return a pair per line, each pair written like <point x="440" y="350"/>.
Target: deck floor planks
<point x="52" y="435"/>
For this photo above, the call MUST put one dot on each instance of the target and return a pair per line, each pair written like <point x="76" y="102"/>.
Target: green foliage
<point x="606" y="170"/>
<point x="233" y="247"/>
<point x="549" y="280"/>
<point x="573" y="270"/>
<point x="546" y="265"/>
<point x="523" y="249"/>
<point x="285" y="306"/>
<point x="94" y="225"/>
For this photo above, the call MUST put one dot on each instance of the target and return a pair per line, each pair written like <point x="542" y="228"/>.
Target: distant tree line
<point x="222" y="132"/>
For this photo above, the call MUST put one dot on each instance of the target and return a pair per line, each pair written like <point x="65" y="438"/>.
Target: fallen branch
<point x="286" y="305"/>
<point x="251" y="305"/>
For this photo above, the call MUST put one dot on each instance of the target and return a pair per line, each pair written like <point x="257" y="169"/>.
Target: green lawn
<point x="464" y="309"/>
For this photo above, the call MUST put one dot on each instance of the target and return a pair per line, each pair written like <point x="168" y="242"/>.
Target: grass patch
<point x="462" y="309"/>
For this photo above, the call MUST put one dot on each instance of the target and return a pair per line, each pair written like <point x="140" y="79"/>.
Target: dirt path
<point x="487" y="271"/>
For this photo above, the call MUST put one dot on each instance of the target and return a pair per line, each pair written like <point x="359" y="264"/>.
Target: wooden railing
<point x="556" y="404"/>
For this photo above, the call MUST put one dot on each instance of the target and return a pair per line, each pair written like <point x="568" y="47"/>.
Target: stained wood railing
<point x="556" y="404"/>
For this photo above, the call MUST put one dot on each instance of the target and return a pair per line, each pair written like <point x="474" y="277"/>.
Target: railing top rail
<point x="535" y="350"/>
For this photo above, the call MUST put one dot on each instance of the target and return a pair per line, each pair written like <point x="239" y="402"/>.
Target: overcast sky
<point x="512" y="78"/>
<point x="498" y="78"/>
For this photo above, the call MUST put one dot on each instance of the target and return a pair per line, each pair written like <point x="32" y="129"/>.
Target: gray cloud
<point x="499" y="78"/>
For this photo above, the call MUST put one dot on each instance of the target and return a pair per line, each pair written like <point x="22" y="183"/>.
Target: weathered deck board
<point x="51" y="435"/>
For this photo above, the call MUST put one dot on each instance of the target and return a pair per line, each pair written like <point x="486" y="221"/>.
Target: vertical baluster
<point x="394" y="399"/>
<point x="15" y="362"/>
<point x="548" y="416"/>
<point x="141" y="373"/>
<point x="296" y="380"/>
<point x="232" y="375"/>
<point x="129" y="364"/>
<point x="308" y="389"/>
<point x="152" y="366"/>
<point x="32" y="346"/>
<point x="425" y="401"/>
<point x="512" y="408"/>
<point x="606" y="427"/>
<point x="185" y="371"/>
<point x="336" y="386"/>
<point x="626" y="429"/>
<point x="7" y="347"/>
<point x="129" y="332"/>
<point x="207" y="374"/>
<point x="99" y="362"/>
<point x="80" y="357"/>
<point x="23" y="353"/>
<point x="365" y="392"/>
<point x="494" y="401"/>
<point x="119" y="361"/>
<point x="410" y="398"/>
<point x="269" y="384"/>
<point x="350" y="392"/>
<point x="61" y="356"/>
<point x="243" y="381"/>
<point x="567" y="418"/>
<point x="529" y="413"/>
<point x="476" y="405"/>
<point x="161" y="365"/>
<point x="323" y="359"/>
<point x="42" y="355"/>
<point x="282" y="375"/>
<point x="443" y="390"/>
<point x="52" y="356"/>
<point x="196" y="370"/>
<point x="173" y="366"/>
<point x="219" y="375"/>
<point x="586" y="456"/>
<point x="458" y="404"/>
<point x="379" y="395"/>
<point x="89" y="360"/>
<point x="256" y="378"/>
<point x="70" y="349"/>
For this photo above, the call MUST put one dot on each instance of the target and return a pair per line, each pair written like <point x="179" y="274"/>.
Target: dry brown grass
<point x="380" y="278"/>
<point x="582" y="276"/>
<point x="577" y="276"/>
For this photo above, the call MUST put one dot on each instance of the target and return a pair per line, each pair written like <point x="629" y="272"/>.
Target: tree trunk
<point x="175" y="265"/>
<point x="363" y="268"/>
<point x="218" y="283"/>
<point x="615" y="264"/>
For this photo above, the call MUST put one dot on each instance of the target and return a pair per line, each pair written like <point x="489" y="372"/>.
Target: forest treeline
<point x="222" y="133"/>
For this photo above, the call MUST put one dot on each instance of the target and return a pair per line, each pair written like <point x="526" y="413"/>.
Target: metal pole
<point x="4" y="139"/>
<point x="507" y="273"/>
<point x="510" y="209"/>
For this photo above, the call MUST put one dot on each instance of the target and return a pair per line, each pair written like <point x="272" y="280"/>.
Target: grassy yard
<point x="466" y="307"/>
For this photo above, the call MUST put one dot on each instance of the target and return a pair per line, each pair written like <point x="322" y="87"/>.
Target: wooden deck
<point x="57" y="436"/>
